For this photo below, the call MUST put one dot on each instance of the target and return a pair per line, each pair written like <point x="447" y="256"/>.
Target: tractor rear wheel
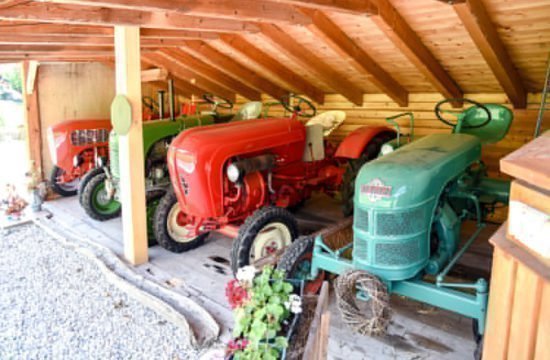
<point x="267" y="231"/>
<point x="296" y="264"/>
<point x="370" y="152"/>
<point x="86" y="179"/>
<point x="152" y="200"/>
<point x="62" y="188"/>
<point x="168" y="231"/>
<point x="96" y="201"/>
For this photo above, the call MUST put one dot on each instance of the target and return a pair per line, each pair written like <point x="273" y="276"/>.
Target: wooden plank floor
<point x="417" y="331"/>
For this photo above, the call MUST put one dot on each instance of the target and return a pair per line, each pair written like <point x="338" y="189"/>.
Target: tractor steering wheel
<point x="459" y="114"/>
<point x="218" y="101"/>
<point x="307" y="111"/>
<point x="150" y="103"/>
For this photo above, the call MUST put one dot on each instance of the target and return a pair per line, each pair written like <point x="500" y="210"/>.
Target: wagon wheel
<point x="169" y="226"/>
<point x="370" y="152"/>
<point x="62" y="188"/>
<point x="301" y="107"/>
<point x="296" y="264"/>
<point x="266" y="232"/>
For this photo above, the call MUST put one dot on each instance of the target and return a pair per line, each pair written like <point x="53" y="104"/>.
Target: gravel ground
<point x="56" y="304"/>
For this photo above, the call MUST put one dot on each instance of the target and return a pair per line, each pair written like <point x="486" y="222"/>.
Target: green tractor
<point x="99" y="189"/>
<point x="410" y="205"/>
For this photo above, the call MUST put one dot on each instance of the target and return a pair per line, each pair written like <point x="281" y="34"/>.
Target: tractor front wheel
<point x="96" y="201"/>
<point x="63" y="188"/>
<point x="266" y="232"/>
<point x="296" y="264"/>
<point x="169" y="232"/>
<point x="86" y="179"/>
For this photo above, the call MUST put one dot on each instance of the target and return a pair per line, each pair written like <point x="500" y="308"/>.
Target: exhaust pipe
<point x="171" y="102"/>
<point x="239" y="169"/>
<point x="161" y="103"/>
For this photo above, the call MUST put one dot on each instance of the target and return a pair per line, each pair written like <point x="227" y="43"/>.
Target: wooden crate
<point x="518" y="320"/>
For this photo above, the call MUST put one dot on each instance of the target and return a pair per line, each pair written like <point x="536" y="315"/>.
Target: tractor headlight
<point x="186" y="161"/>
<point x="233" y="173"/>
<point x="386" y="149"/>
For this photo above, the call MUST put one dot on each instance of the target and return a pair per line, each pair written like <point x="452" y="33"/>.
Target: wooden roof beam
<point x="45" y="40"/>
<point x="483" y="32"/>
<point x="265" y="60"/>
<point x="242" y="10"/>
<point x="174" y="67"/>
<point x="324" y="27"/>
<point x="230" y="66"/>
<point x="405" y="38"/>
<point x="296" y="51"/>
<point x="359" y="7"/>
<point x="94" y="15"/>
<point x="212" y="73"/>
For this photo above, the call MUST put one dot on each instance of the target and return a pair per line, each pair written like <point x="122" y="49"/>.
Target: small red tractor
<point x="75" y="145"/>
<point x="248" y="173"/>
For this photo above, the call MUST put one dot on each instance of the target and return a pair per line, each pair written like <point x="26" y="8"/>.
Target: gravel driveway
<point x="56" y="304"/>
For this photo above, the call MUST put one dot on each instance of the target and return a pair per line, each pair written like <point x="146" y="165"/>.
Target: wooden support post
<point x="132" y="181"/>
<point x="32" y="117"/>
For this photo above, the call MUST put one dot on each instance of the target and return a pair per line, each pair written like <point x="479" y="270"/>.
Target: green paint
<point x="103" y="206"/>
<point x="121" y="115"/>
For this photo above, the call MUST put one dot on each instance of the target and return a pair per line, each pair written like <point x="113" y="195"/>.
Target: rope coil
<point x="377" y="318"/>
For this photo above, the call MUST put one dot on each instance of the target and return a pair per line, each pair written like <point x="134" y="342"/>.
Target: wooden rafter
<point x="242" y="10"/>
<point x="174" y="67"/>
<point x="185" y="87"/>
<point x="324" y="27"/>
<point x="296" y="51"/>
<point x="230" y="66"/>
<point x="361" y="7"/>
<point x="265" y="60"/>
<point x="405" y="38"/>
<point x="483" y="31"/>
<point x="94" y="15"/>
<point x="212" y="73"/>
<point x="46" y="40"/>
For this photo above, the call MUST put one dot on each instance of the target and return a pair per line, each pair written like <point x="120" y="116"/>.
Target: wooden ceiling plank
<point x="296" y="51"/>
<point x="265" y="60"/>
<point x="174" y="67"/>
<point x="325" y="28"/>
<point x="484" y="33"/>
<point x="388" y="19"/>
<point x="358" y="7"/>
<point x="242" y="10"/>
<point x="155" y="74"/>
<point x="228" y="65"/>
<point x="213" y="73"/>
<point x="90" y="15"/>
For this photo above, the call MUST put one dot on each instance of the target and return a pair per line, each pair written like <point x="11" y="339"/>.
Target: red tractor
<point x="248" y="173"/>
<point x="75" y="145"/>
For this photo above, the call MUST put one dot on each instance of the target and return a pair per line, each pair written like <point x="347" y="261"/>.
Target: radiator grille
<point x="361" y="219"/>
<point x="89" y="137"/>
<point x="360" y="248"/>
<point x="403" y="223"/>
<point x="401" y="253"/>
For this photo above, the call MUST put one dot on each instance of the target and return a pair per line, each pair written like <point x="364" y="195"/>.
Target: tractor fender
<point x="353" y="145"/>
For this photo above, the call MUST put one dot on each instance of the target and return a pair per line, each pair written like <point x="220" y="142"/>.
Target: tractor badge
<point x="376" y="190"/>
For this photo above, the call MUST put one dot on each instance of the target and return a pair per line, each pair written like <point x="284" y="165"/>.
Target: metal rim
<point x="101" y="201"/>
<point x="177" y="232"/>
<point x="271" y="238"/>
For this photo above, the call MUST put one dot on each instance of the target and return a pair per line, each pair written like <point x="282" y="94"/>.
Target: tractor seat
<point x="329" y="120"/>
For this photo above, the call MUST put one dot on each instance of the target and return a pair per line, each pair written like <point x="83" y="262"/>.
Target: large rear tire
<point x="296" y="264"/>
<point x="267" y="231"/>
<point x="63" y="189"/>
<point x="86" y="179"/>
<point x="168" y="233"/>
<point x="96" y="202"/>
<point x="370" y="152"/>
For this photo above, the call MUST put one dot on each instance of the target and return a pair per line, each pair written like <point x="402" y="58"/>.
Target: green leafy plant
<point x="261" y="319"/>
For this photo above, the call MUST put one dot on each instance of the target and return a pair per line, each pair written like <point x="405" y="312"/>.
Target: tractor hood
<point x="415" y="173"/>
<point x="197" y="157"/>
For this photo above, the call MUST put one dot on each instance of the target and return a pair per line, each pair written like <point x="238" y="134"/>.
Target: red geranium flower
<point x="236" y="294"/>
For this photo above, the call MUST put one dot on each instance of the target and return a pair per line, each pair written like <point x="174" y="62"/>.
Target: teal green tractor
<point x="410" y="205"/>
<point x="99" y="189"/>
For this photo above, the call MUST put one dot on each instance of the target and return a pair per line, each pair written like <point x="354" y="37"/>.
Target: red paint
<point x="357" y="140"/>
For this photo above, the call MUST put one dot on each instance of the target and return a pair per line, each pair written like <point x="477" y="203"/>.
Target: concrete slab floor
<point x="417" y="331"/>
